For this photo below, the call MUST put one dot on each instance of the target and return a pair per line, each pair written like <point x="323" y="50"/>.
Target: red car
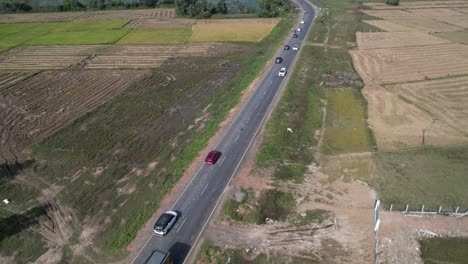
<point x="213" y="157"/>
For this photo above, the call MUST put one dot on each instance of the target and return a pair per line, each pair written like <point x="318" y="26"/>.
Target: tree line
<point x="20" y="6"/>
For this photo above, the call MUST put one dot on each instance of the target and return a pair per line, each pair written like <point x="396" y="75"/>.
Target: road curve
<point x="199" y="199"/>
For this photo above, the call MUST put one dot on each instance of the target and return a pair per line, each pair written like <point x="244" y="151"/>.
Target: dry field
<point x="445" y="99"/>
<point x="41" y="105"/>
<point x="149" y="56"/>
<point x="412" y="20"/>
<point x="88" y="16"/>
<point x="444" y="15"/>
<point x="398" y="124"/>
<point x="102" y="56"/>
<point x="458" y="36"/>
<point x="390" y="26"/>
<point x="402" y="64"/>
<point x="420" y="4"/>
<point x="235" y="30"/>
<point x="378" y="40"/>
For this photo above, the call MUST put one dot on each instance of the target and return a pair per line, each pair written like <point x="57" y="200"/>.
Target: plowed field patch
<point x="35" y="108"/>
<point x="11" y="77"/>
<point x="444" y="15"/>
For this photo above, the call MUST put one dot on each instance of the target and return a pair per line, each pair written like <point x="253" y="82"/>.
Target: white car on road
<point x="165" y="223"/>
<point x="302" y="21"/>
<point x="295" y="47"/>
<point x="282" y="72"/>
<point x="299" y="30"/>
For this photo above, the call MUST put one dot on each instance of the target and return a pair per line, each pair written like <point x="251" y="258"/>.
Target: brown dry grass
<point x="379" y="40"/>
<point x="160" y="23"/>
<point x="88" y="16"/>
<point x="237" y="30"/>
<point x="390" y="26"/>
<point x="412" y="20"/>
<point x="402" y="64"/>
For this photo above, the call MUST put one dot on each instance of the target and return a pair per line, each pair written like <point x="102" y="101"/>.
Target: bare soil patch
<point x="9" y="78"/>
<point x="377" y="40"/>
<point x="88" y="16"/>
<point x="41" y="105"/>
<point x="458" y="36"/>
<point x="402" y="64"/>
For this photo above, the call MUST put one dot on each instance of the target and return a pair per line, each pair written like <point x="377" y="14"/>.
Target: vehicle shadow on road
<point x="179" y="252"/>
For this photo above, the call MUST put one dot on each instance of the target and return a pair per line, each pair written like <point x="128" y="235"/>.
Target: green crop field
<point x="444" y="250"/>
<point x="90" y="25"/>
<point x="79" y="37"/>
<point x="157" y="36"/>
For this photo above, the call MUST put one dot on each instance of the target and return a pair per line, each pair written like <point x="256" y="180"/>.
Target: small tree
<point x="392" y="2"/>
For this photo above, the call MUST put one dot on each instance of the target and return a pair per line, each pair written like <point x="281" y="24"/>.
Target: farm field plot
<point x="79" y="37"/>
<point x="378" y="40"/>
<point x="420" y="4"/>
<point x="401" y="64"/>
<point x="412" y="20"/>
<point x="151" y="56"/>
<point x="41" y="105"/>
<point x="445" y="15"/>
<point x="398" y="124"/>
<point x="237" y="30"/>
<point x="46" y="57"/>
<point x="390" y="26"/>
<point x="446" y="99"/>
<point x="160" y="23"/>
<point x="8" y="78"/>
<point x="91" y="16"/>
<point x="178" y="35"/>
<point x="458" y="36"/>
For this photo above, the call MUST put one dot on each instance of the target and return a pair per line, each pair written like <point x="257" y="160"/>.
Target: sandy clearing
<point x="378" y="40"/>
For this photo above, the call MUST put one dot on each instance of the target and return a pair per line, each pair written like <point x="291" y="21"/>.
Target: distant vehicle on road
<point x="165" y="222"/>
<point x="302" y="21"/>
<point x="282" y="72"/>
<point x="305" y="11"/>
<point x="286" y="47"/>
<point x="160" y="257"/>
<point x="278" y="60"/>
<point x="213" y="157"/>
<point x="295" y="35"/>
<point x="295" y="47"/>
<point x="298" y="30"/>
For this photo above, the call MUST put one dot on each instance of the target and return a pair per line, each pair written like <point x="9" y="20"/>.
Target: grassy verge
<point x="157" y="36"/>
<point x="345" y="127"/>
<point x="444" y="250"/>
<point x="431" y="176"/>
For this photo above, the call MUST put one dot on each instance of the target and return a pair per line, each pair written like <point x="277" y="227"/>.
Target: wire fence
<point x="456" y="211"/>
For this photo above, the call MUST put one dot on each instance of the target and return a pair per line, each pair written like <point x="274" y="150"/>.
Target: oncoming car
<point x="282" y="72"/>
<point x="286" y="47"/>
<point x="165" y="222"/>
<point x="213" y="157"/>
<point x="295" y="35"/>
<point x="295" y="47"/>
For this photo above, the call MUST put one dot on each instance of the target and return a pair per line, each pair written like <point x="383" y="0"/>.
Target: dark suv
<point x="278" y="60"/>
<point x="286" y="47"/>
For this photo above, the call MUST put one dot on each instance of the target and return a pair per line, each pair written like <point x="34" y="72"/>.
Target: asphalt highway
<point x="200" y="198"/>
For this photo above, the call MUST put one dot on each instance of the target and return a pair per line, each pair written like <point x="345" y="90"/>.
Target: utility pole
<point x="376" y="229"/>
